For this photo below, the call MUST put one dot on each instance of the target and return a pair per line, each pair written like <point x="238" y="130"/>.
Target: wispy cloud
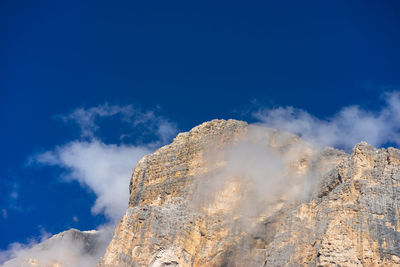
<point x="4" y="213"/>
<point x="251" y="173"/>
<point x="80" y="249"/>
<point x="103" y="168"/>
<point x="106" y="168"/>
<point x="346" y="128"/>
<point x="10" y="200"/>
<point x="87" y="119"/>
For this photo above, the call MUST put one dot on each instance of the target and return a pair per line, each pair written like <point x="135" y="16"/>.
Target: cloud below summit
<point x="346" y="128"/>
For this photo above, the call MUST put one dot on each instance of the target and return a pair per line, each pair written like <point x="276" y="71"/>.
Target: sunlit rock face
<point x="69" y="248"/>
<point x="230" y="194"/>
<point x="353" y="221"/>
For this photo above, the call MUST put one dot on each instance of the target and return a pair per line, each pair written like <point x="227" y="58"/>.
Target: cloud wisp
<point x="346" y="128"/>
<point x="252" y="174"/>
<point x="71" y="248"/>
<point x="106" y="168"/>
<point x="103" y="168"/>
<point x="87" y="119"/>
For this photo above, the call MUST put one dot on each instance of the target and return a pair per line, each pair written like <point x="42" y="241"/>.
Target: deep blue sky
<point x="193" y="61"/>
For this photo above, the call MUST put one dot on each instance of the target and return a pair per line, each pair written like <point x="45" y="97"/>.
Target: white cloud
<point x="346" y="128"/>
<point x="87" y="120"/>
<point x="68" y="249"/>
<point x="253" y="172"/>
<point x="11" y="199"/>
<point x="105" y="169"/>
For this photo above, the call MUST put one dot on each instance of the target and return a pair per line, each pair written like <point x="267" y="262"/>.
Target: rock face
<point x="230" y="194"/>
<point x="353" y="221"/>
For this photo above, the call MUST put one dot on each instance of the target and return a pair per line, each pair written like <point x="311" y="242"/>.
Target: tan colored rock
<point x="229" y="194"/>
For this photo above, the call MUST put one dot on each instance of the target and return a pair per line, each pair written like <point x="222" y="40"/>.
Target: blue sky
<point x="182" y="62"/>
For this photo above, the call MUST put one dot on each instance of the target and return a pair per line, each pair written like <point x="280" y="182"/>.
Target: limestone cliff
<point x="221" y="195"/>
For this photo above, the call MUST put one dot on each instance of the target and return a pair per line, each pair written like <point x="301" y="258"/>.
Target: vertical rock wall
<point x="349" y="217"/>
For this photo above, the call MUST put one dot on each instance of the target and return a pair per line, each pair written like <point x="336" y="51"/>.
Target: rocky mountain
<point x="232" y="194"/>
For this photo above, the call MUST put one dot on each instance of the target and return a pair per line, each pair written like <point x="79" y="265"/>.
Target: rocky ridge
<point x="344" y="211"/>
